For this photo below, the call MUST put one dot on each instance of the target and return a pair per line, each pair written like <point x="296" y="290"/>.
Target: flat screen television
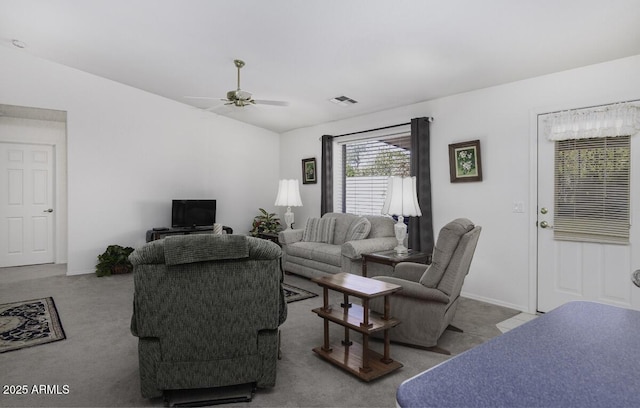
<point x="193" y="213"/>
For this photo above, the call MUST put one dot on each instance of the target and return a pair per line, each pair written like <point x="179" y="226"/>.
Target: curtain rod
<point x="373" y="130"/>
<point x="380" y="128"/>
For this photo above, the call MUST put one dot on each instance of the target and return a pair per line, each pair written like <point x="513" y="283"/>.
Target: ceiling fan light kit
<point x="238" y="98"/>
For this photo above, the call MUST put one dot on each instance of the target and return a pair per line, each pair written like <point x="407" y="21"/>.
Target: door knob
<point x="545" y="224"/>
<point x="50" y="210"/>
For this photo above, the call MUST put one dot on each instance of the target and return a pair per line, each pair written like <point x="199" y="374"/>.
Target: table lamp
<point x="401" y="200"/>
<point x="288" y="196"/>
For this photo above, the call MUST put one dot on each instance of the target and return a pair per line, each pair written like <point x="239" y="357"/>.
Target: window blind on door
<point x="592" y="190"/>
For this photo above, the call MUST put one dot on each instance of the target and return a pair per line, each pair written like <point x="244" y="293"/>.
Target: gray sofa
<point x="206" y="311"/>
<point x="337" y="244"/>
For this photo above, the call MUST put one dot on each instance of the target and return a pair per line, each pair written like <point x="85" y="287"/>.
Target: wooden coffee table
<point x="353" y="357"/>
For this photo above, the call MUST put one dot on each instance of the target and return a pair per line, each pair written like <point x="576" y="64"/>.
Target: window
<point x="592" y="189"/>
<point x="363" y="167"/>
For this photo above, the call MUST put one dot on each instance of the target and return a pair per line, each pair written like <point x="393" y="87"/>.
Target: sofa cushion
<point x="317" y="251"/>
<point x="448" y="240"/>
<point x="359" y="229"/>
<point x="343" y="221"/>
<point x="319" y="230"/>
<point x="381" y="226"/>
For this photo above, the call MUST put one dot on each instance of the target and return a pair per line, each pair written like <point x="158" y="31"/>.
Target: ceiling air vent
<point x="343" y="100"/>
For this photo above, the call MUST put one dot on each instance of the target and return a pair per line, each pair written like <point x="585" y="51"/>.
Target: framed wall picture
<point x="309" y="174"/>
<point x="464" y="162"/>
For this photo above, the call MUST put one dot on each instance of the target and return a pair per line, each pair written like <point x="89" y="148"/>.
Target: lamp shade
<point x="401" y="197"/>
<point x="288" y="194"/>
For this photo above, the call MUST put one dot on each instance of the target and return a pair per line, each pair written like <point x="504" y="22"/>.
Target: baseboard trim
<point x="522" y="308"/>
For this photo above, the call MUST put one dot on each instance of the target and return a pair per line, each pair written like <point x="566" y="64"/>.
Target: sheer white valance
<point x="609" y="121"/>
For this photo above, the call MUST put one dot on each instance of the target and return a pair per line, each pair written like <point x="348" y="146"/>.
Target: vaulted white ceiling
<point x="381" y="53"/>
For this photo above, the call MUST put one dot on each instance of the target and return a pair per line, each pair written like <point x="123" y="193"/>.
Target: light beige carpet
<point x="98" y="362"/>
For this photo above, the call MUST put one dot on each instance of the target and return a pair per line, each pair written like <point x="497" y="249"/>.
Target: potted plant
<point x="265" y="223"/>
<point x="114" y="260"/>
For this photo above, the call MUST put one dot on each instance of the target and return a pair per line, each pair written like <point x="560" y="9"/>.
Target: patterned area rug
<point x="29" y="323"/>
<point x="293" y="293"/>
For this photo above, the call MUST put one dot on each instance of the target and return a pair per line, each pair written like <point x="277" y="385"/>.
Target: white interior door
<point x="568" y="270"/>
<point x="26" y="206"/>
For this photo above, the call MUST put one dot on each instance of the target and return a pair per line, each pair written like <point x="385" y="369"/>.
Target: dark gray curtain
<point x="326" y="175"/>
<point x="421" y="228"/>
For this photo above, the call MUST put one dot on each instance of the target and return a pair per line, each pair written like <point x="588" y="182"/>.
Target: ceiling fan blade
<point x="200" y="97"/>
<point x="211" y="108"/>
<point x="273" y="103"/>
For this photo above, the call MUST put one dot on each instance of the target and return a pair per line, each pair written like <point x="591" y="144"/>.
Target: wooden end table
<point x="391" y="258"/>
<point x="357" y="359"/>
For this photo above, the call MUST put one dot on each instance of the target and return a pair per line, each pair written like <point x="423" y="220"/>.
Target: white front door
<point x="569" y="270"/>
<point x="26" y="206"/>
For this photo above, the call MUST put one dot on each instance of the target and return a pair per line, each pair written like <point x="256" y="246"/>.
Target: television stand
<point x="159" y="233"/>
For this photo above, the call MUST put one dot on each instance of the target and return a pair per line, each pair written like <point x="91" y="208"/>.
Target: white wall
<point x="503" y="118"/>
<point x="130" y="152"/>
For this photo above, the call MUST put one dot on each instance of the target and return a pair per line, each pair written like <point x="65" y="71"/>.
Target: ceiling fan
<point x="238" y="97"/>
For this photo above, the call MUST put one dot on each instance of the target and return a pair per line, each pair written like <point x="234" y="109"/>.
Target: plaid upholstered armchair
<point x="206" y="311"/>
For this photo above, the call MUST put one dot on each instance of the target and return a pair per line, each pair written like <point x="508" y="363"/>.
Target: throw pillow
<point x="359" y="229"/>
<point x="319" y="230"/>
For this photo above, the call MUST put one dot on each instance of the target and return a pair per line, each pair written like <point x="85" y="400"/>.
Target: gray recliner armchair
<point x="206" y="311"/>
<point x="429" y="298"/>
